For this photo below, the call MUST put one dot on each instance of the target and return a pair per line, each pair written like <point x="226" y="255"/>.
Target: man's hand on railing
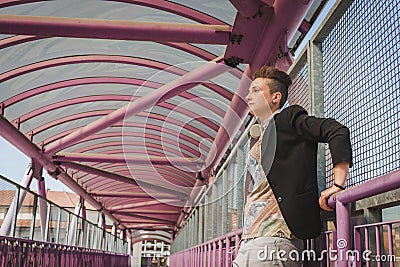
<point x="340" y="172"/>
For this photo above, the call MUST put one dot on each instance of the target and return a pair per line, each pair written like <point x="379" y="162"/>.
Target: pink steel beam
<point x="170" y="7"/>
<point x="119" y="178"/>
<point x="246" y="8"/>
<point x="204" y="73"/>
<point x="175" y="161"/>
<point x="114" y="29"/>
<point x="18" y="140"/>
<point x="286" y="17"/>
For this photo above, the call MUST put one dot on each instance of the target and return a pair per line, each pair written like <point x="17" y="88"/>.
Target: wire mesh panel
<point x="299" y="91"/>
<point x="361" y="68"/>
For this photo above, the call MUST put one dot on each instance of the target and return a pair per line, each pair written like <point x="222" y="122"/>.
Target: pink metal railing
<point x="218" y="252"/>
<point x="21" y="252"/>
<point x="222" y="250"/>
<point x="383" y="252"/>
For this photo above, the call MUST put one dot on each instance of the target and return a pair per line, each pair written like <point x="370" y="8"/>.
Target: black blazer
<point x="289" y="158"/>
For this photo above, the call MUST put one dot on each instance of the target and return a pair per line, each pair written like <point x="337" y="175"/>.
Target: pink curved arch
<point x="188" y="48"/>
<point x="151" y="127"/>
<point x="104" y="80"/>
<point x="88" y="59"/>
<point x="169" y="7"/>
<point x="147" y="136"/>
<point x="161" y="151"/>
<point x="107" y="59"/>
<point x="91" y="181"/>
<point x="117" y="167"/>
<point x="80" y="100"/>
<point x="97" y="113"/>
<point x="73" y="101"/>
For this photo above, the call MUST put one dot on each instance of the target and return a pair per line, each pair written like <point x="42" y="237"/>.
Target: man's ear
<point x="277" y="97"/>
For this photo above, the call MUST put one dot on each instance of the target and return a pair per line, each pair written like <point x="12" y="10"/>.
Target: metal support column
<point x="16" y="205"/>
<point x="42" y="206"/>
<point x="343" y="241"/>
<point x="316" y="97"/>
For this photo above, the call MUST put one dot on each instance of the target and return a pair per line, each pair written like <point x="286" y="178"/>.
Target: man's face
<point x="259" y="98"/>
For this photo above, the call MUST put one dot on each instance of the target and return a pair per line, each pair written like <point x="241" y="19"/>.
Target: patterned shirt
<point x="262" y="216"/>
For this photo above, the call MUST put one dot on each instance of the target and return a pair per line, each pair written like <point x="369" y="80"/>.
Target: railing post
<point x="343" y="242"/>
<point x="228" y="255"/>
<point x="33" y="221"/>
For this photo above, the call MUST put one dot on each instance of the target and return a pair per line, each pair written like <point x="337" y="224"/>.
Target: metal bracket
<point x="233" y="61"/>
<point x="16" y="123"/>
<point x="236" y="38"/>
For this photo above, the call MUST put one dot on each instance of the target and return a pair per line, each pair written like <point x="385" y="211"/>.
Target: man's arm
<point x="340" y="172"/>
<point x="337" y="136"/>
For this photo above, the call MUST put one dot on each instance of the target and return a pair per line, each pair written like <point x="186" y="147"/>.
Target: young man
<point x="282" y="204"/>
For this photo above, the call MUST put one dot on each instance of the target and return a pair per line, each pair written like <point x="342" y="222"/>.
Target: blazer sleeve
<point x="323" y="130"/>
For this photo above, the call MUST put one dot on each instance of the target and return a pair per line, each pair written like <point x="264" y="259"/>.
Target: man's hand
<point x="340" y="172"/>
<point x="325" y="195"/>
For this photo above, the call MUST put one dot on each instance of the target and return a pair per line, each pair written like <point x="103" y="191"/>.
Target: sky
<point x="14" y="164"/>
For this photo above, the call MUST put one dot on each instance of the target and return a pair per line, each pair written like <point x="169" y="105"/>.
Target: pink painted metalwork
<point x="112" y="80"/>
<point x="170" y="7"/>
<point x="114" y="29"/>
<point x="18" y="39"/>
<point x="16" y="138"/>
<point x="89" y="59"/>
<point x="184" y="257"/>
<point x="97" y="113"/>
<point x="126" y="159"/>
<point x="247" y="8"/>
<point x="23" y="252"/>
<point x="203" y="73"/>
<point x="73" y="101"/>
<point x="158" y="138"/>
<point x="119" y="178"/>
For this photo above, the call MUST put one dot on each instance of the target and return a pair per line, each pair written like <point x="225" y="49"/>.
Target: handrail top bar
<point x="382" y="184"/>
<point x="376" y="224"/>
